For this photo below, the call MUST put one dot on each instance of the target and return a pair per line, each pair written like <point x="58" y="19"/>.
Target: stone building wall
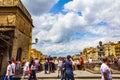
<point x="14" y="14"/>
<point x="21" y="41"/>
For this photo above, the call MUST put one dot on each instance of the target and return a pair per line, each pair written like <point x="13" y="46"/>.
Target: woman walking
<point x="32" y="72"/>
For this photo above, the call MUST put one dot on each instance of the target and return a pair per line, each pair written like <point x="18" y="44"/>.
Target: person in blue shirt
<point x="69" y="68"/>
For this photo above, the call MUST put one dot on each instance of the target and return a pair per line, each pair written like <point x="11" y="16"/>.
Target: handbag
<point x="30" y="71"/>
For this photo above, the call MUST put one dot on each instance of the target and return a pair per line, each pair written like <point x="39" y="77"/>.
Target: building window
<point x="19" y="54"/>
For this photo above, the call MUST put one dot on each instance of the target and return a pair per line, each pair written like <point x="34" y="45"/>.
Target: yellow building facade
<point x="36" y="54"/>
<point x="117" y="49"/>
<point x="90" y="53"/>
<point x="109" y="49"/>
<point x="112" y="49"/>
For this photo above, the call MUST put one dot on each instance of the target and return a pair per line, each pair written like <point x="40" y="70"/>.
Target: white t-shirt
<point x="118" y="62"/>
<point x="32" y="67"/>
<point x="90" y="60"/>
<point x="105" y="68"/>
<point x="9" y="67"/>
<point x="60" y="63"/>
<point x="26" y="66"/>
<point x="13" y="67"/>
<point x="36" y="62"/>
<point x="78" y="62"/>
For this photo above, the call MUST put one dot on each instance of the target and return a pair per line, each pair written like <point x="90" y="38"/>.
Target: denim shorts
<point x="59" y="67"/>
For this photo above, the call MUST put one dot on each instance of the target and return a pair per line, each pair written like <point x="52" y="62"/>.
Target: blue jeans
<point x="69" y="75"/>
<point x="32" y="75"/>
<point x="45" y="67"/>
<point x="6" y="78"/>
<point x="63" y="75"/>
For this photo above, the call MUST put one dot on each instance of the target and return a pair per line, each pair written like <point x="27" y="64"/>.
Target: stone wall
<point x="17" y="3"/>
<point x="23" y="24"/>
<point x="7" y="19"/>
<point x="19" y="18"/>
<point x="21" y="41"/>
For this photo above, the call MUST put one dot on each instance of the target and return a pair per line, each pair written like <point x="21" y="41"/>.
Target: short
<point x="59" y="68"/>
<point x="25" y="73"/>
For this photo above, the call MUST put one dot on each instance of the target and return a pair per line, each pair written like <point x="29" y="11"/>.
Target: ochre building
<point x="112" y="49"/>
<point x="109" y="49"/>
<point x="90" y="53"/>
<point x="117" y="49"/>
<point x="36" y="54"/>
<point x="15" y="31"/>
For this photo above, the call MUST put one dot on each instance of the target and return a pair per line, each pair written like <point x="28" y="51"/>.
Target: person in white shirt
<point x="8" y="75"/>
<point x="78" y="64"/>
<point x="33" y="72"/>
<point x="13" y="67"/>
<point x="36" y="64"/>
<point x="26" y="68"/>
<point x="105" y="70"/>
<point x="90" y="61"/>
<point x="118" y="63"/>
<point x="60" y="64"/>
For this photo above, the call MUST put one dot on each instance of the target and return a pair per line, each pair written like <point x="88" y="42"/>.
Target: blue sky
<point x="68" y="26"/>
<point x="59" y="6"/>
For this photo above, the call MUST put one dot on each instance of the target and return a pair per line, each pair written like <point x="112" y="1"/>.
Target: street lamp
<point x="30" y="52"/>
<point x="36" y="41"/>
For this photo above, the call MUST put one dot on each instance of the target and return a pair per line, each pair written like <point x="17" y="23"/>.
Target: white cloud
<point x="56" y="32"/>
<point x="37" y="7"/>
<point x="95" y="11"/>
<point x="61" y="27"/>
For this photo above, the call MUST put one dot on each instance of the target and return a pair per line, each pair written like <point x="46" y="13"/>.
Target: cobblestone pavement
<point x="78" y="74"/>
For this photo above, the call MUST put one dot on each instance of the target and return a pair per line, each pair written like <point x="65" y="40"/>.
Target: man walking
<point x="69" y="68"/>
<point x="9" y="75"/>
<point x="105" y="70"/>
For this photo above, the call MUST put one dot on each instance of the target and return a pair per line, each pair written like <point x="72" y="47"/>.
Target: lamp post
<point x="30" y="47"/>
<point x="36" y="41"/>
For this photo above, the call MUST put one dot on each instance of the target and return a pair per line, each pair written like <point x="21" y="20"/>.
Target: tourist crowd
<point x="29" y="68"/>
<point x="65" y="67"/>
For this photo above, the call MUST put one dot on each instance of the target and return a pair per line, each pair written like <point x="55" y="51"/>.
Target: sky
<point x="66" y="27"/>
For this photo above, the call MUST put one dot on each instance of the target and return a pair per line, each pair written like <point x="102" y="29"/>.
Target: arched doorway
<point x="6" y="43"/>
<point x="19" y="54"/>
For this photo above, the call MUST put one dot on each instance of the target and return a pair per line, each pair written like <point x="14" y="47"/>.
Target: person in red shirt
<point x="82" y="63"/>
